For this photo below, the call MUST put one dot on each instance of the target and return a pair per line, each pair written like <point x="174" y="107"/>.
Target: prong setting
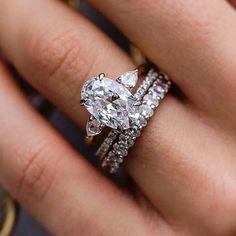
<point x="82" y="102"/>
<point x="101" y="76"/>
<point x="109" y="102"/>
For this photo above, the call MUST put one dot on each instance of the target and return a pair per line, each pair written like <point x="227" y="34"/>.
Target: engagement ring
<point x="111" y="103"/>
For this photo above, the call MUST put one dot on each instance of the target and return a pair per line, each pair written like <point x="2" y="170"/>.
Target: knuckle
<point x="59" y="56"/>
<point x="36" y="171"/>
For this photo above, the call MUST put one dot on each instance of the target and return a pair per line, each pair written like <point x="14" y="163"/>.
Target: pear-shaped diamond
<point x="93" y="127"/>
<point x="110" y="102"/>
<point x="129" y="78"/>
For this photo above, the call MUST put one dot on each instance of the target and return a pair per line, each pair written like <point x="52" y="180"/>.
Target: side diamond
<point x="93" y="127"/>
<point x="146" y="111"/>
<point x="129" y="79"/>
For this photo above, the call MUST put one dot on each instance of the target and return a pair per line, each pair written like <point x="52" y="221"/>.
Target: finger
<point x="54" y="183"/>
<point x="57" y="50"/>
<point x="36" y="62"/>
<point x="69" y="70"/>
<point x="194" y="41"/>
<point x="186" y="167"/>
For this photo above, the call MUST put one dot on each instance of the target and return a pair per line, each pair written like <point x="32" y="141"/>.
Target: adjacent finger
<point x="186" y="167"/>
<point x="53" y="182"/>
<point x="194" y="41"/>
<point x="57" y="50"/>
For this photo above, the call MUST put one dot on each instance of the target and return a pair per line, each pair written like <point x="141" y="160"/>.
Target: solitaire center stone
<point x="110" y="102"/>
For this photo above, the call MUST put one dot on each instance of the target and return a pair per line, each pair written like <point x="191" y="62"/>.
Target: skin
<point x="183" y="165"/>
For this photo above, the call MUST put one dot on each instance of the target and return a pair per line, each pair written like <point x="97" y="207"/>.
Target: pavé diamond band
<point x="112" y="104"/>
<point x="126" y="138"/>
<point x="139" y="94"/>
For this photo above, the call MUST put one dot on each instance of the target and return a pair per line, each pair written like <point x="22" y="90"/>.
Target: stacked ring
<point x="126" y="138"/>
<point x="112" y="104"/>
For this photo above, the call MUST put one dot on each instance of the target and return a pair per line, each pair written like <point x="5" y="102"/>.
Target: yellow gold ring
<point x="9" y="221"/>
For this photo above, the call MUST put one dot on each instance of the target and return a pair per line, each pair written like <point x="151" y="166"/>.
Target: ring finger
<point x="57" y="50"/>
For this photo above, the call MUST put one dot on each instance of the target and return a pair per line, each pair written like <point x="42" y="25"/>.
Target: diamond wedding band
<point x="112" y="104"/>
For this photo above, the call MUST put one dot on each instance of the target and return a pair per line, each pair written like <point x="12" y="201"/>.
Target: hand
<point x="183" y="164"/>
